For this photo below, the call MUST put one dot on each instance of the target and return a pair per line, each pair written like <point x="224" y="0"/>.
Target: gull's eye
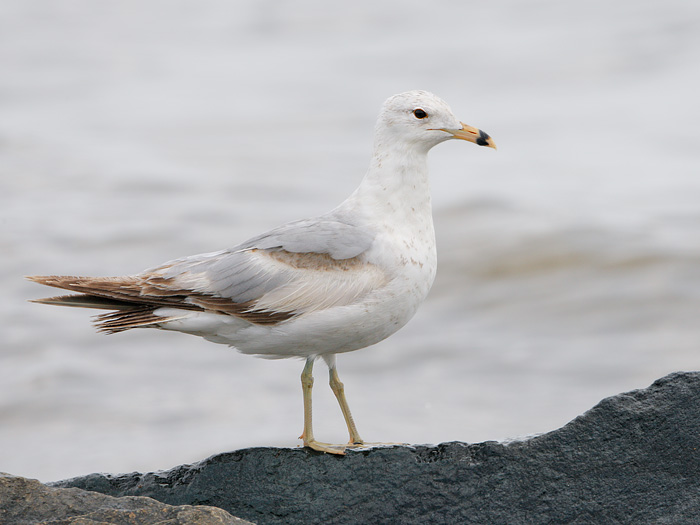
<point x="419" y="113"/>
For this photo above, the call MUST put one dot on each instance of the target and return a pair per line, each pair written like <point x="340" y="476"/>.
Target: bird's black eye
<point x="419" y="113"/>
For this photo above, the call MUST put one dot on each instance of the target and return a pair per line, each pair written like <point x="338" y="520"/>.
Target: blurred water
<point x="132" y="133"/>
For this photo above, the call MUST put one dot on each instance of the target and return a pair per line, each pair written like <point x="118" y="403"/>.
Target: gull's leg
<point x="339" y="391"/>
<point x="307" y="384"/>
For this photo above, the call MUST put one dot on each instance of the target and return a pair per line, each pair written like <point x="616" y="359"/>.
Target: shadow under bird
<point x="311" y="288"/>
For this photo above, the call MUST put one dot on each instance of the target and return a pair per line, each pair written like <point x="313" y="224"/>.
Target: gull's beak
<point x="471" y="134"/>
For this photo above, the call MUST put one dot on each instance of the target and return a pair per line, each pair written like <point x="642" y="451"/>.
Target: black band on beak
<point x="482" y="139"/>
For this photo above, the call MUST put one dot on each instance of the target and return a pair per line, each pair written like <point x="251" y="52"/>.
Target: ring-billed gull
<point x="311" y="288"/>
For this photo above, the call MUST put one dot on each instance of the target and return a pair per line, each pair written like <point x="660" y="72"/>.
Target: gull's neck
<point x="396" y="186"/>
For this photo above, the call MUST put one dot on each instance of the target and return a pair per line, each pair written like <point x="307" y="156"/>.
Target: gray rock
<point x="27" y="501"/>
<point x="634" y="458"/>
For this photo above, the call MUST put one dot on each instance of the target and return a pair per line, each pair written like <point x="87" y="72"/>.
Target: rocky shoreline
<point x="633" y="458"/>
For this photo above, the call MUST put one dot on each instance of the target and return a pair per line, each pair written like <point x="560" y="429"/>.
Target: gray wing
<point x="327" y="236"/>
<point x="302" y="266"/>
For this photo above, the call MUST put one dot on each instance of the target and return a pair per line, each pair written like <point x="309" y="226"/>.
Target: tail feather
<point x="119" y="321"/>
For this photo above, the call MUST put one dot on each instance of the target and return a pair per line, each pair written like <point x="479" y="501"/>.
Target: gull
<point x="313" y="287"/>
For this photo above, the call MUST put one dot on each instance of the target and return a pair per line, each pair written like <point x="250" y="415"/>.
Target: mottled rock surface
<point x="27" y="501"/>
<point x="633" y="458"/>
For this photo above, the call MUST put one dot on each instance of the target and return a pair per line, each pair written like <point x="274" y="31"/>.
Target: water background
<point x="133" y="132"/>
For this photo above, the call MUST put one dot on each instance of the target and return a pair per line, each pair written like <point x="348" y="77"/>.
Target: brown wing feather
<point x="129" y="289"/>
<point x="135" y="300"/>
<point x="243" y="310"/>
<point x="85" y="301"/>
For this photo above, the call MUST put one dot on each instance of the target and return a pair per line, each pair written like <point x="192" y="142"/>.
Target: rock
<point x="634" y="458"/>
<point x="27" y="501"/>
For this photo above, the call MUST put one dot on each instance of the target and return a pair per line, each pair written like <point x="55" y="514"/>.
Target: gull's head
<point x="421" y="118"/>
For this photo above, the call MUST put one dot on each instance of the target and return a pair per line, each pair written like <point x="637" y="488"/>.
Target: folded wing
<point x="296" y="269"/>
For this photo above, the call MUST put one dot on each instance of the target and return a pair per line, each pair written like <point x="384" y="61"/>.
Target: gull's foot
<point x="326" y="447"/>
<point x="340" y="449"/>
<point x="367" y="446"/>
